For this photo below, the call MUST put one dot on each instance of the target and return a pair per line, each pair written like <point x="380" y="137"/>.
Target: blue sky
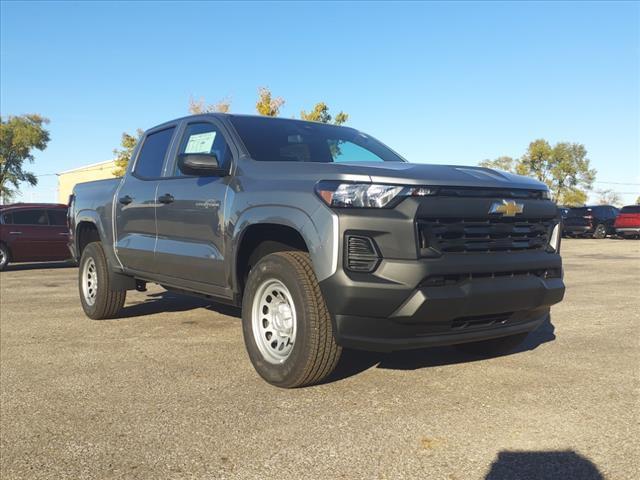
<point x="447" y="83"/>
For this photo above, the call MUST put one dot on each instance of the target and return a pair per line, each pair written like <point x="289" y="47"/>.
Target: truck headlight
<point x="366" y="195"/>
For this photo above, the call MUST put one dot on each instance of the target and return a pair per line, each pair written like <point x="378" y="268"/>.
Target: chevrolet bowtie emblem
<point x="508" y="208"/>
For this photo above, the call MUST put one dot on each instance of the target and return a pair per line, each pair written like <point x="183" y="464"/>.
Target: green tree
<point x="574" y="197"/>
<point x="123" y="155"/>
<point x="198" y="106"/>
<point x="19" y="137"/>
<point x="320" y="113"/>
<point x="267" y="105"/>
<point x="638" y="200"/>
<point x="506" y="164"/>
<point x="564" y="168"/>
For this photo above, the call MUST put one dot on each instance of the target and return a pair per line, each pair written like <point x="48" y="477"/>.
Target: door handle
<point x="126" y="200"/>
<point x="63" y="233"/>
<point x="166" y="198"/>
<point x="15" y="233"/>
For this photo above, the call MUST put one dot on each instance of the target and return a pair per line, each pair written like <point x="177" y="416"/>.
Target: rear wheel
<point x="99" y="300"/>
<point x="4" y="256"/>
<point x="600" y="231"/>
<point x="493" y="347"/>
<point x="286" y="325"/>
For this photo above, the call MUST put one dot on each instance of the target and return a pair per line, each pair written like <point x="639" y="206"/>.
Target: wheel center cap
<point x="283" y="318"/>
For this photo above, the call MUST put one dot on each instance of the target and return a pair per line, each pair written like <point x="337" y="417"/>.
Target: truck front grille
<point x="468" y="235"/>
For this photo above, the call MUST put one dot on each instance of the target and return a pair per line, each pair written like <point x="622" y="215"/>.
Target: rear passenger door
<point x="135" y="235"/>
<point x="190" y="245"/>
<point x="58" y="234"/>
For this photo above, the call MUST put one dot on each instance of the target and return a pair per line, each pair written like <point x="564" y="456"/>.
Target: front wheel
<point x="286" y="325"/>
<point x="4" y="256"/>
<point x="493" y="347"/>
<point x="99" y="300"/>
<point x="600" y="232"/>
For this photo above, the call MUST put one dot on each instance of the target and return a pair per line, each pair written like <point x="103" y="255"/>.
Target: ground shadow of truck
<point x="550" y="465"/>
<point x="356" y="361"/>
<point x="352" y="362"/>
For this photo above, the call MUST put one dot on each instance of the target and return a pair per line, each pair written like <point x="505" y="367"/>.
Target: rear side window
<point x="57" y="217"/>
<point x="151" y="156"/>
<point x="631" y="209"/>
<point x="30" y="217"/>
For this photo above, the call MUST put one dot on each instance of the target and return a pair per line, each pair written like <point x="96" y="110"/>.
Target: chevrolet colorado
<point x="325" y="237"/>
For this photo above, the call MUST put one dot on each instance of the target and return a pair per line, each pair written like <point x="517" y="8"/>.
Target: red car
<point x="627" y="222"/>
<point x="33" y="232"/>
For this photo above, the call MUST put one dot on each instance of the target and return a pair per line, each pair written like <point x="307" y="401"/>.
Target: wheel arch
<point x="291" y="228"/>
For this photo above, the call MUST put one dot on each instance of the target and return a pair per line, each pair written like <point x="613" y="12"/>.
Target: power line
<point x="618" y="183"/>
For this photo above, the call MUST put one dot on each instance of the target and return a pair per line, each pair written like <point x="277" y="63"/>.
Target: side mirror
<point x="203" y="164"/>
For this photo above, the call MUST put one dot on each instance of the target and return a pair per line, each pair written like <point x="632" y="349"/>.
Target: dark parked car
<point x="627" y="223"/>
<point x="33" y="232"/>
<point x="591" y="221"/>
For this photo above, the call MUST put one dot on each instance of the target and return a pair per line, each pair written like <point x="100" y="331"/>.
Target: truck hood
<point x="451" y="175"/>
<point x="400" y="173"/>
<point x="396" y="173"/>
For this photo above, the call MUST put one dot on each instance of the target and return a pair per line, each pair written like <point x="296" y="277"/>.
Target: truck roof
<point x="231" y="115"/>
<point x="21" y="205"/>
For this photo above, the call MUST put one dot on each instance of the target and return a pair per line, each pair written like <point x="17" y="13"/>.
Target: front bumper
<point x="577" y="229"/>
<point x="405" y="314"/>
<point x="413" y="301"/>
<point x="628" y="231"/>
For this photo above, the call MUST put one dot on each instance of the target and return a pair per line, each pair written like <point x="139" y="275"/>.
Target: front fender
<point x="319" y="230"/>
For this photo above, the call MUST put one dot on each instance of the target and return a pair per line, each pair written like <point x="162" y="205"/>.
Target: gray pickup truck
<point x="327" y="238"/>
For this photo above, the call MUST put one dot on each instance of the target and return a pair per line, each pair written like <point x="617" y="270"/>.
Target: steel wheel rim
<point x="3" y="256"/>
<point x="273" y="321"/>
<point x="89" y="281"/>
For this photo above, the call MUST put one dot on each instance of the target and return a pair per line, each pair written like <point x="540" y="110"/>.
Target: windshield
<point x="282" y="140"/>
<point x="630" y="209"/>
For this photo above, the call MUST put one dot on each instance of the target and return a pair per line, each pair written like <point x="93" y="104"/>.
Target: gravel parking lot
<point x="168" y="392"/>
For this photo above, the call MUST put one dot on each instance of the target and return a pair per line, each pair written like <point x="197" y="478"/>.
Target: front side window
<point x="30" y="217"/>
<point x="203" y="138"/>
<point x="282" y="140"/>
<point x="151" y="156"/>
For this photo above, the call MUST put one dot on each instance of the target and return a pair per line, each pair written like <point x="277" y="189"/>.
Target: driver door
<point x="189" y="213"/>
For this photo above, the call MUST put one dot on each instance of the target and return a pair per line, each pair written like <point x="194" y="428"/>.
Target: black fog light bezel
<point x="370" y="261"/>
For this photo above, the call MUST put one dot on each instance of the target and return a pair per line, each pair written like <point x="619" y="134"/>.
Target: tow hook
<point x="141" y="286"/>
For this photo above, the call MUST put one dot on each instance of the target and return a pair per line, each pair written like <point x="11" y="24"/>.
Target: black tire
<point x="315" y="353"/>
<point x="600" y="232"/>
<point x="4" y="256"/>
<point x="494" y="347"/>
<point x="106" y="301"/>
